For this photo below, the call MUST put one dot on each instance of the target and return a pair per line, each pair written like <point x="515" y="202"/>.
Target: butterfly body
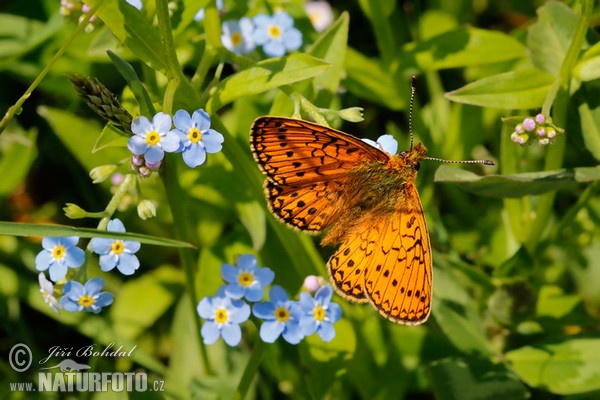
<point x="320" y="179"/>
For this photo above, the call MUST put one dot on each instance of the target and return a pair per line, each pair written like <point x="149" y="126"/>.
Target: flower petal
<point x="229" y="273"/>
<point x="212" y="141"/>
<point x="141" y="125"/>
<point x="93" y="286"/>
<point x="270" y="331"/>
<point x="264" y="310"/>
<point x="205" y="308"/>
<point x="232" y="334"/>
<point x="162" y="122"/>
<point x="115" y="225"/>
<point x="210" y="332"/>
<point x="128" y="264"/>
<point x="108" y="262"/>
<point x="326" y="332"/>
<point x="182" y="120"/>
<point x="74" y="257"/>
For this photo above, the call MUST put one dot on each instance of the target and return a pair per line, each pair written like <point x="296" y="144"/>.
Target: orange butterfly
<point x="319" y="178"/>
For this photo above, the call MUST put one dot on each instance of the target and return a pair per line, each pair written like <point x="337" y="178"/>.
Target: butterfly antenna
<point x="410" y="113"/>
<point x="410" y="109"/>
<point x="484" y="162"/>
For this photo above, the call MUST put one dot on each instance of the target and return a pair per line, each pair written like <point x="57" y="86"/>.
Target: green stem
<point x="114" y="203"/>
<point x="251" y="371"/>
<point x="18" y="106"/>
<point x="184" y="230"/>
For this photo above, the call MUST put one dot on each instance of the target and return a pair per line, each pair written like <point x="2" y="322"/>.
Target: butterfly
<point x="321" y="179"/>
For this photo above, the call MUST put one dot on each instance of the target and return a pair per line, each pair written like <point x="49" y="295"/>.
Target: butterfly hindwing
<point x="398" y="277"/>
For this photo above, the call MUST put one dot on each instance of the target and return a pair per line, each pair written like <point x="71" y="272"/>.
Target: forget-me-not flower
<point x="223" y="317"/>
<point x="237" y="36"/>
<point x="88" y="297"/>
<point x="319" y="313"/>
<point x="246" y="280"/>
<point x="319" y="13"/>
<point x="59" y="254"/>
<point x="386" y="143"/>
<point x="281" y="315"/>
<point x="276" y="33"/>
<point x="116" y="252"/>
<point x="47" y="290"/>
<point x="153" y="138"/>
<point x="196" y="137"/>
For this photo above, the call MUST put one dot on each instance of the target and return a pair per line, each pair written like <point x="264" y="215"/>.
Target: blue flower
<point x="116" y="252"/>
<point x="78" y="297"/>
<point x="152" y="139"/>
<point x="281" y="316"/>
<point x="276" y="34"/>
<point x="223" y="318"/>
<point x="319" y="313"/>
<point x="196" y="137"/>
<point x="59" y="254"/>
<point x="200" y="14"/>
<point x="386" y="143"/>
<point x="246" y="279"/>
<point x="47" y="290"/>
<point x="237" y="36"/>
<point x="136" y="3"/>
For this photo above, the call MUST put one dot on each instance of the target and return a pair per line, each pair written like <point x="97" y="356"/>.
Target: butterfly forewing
<point x="306" y="167"/>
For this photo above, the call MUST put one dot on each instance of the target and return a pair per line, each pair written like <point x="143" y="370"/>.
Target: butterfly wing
<point x="388" y="264"/>
<point x="398" y="276"/>
<point x="306" y="166"/>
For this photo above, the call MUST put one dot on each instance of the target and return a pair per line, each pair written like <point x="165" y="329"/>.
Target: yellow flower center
<point x="236" y="39"/>
<point x="152" y="138"/>
<point x="117" y="247"/>
<point x="59" y="252"/>
<point x="221" y="315"/>
<point x="319" y="313"/>
<point x="274" y="31"/>
<point x="246" y="279"/>
<point x="86" y="300"/>
<point x="282" y="314"/>
<point x="194" y="135"/>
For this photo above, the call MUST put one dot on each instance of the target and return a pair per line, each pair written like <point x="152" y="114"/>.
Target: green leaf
<point x="20" y="35"/>
<point x="24" y="229"/>
<point x="134" y="83"/>
<point x="474" y="378"/>
<point x="590" y="123"/>
<point x="511" y="90"/>
<point x="134" y="30"/>
<point x="561" y="366"/>
<point x="554" y="303"/>
<point x="325" y="360"/>
<point x="550" y="37"/>
<point x="17" y="153"/>
<point x="252" y="216"/>
<point x="263" y="76"/>
<point x="79" y="135"/>
<point x="517" y="185"/>
<point x="110" y="137"/>
<point x="588" y="66"/>
<point x="331" y="47"/>
<point x="369" y="80"/>
<point x="142" y="301"/>
<point x="467" y="47"/>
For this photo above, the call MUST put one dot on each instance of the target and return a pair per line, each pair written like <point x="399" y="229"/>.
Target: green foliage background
<point x="516" y="250"/>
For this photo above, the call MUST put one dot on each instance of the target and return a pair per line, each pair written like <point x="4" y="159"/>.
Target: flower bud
<point x="73" y="211"/>
<point x="352" y="114"/>
<point x="102" y="172"/>
<point x="146" y="209"/>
